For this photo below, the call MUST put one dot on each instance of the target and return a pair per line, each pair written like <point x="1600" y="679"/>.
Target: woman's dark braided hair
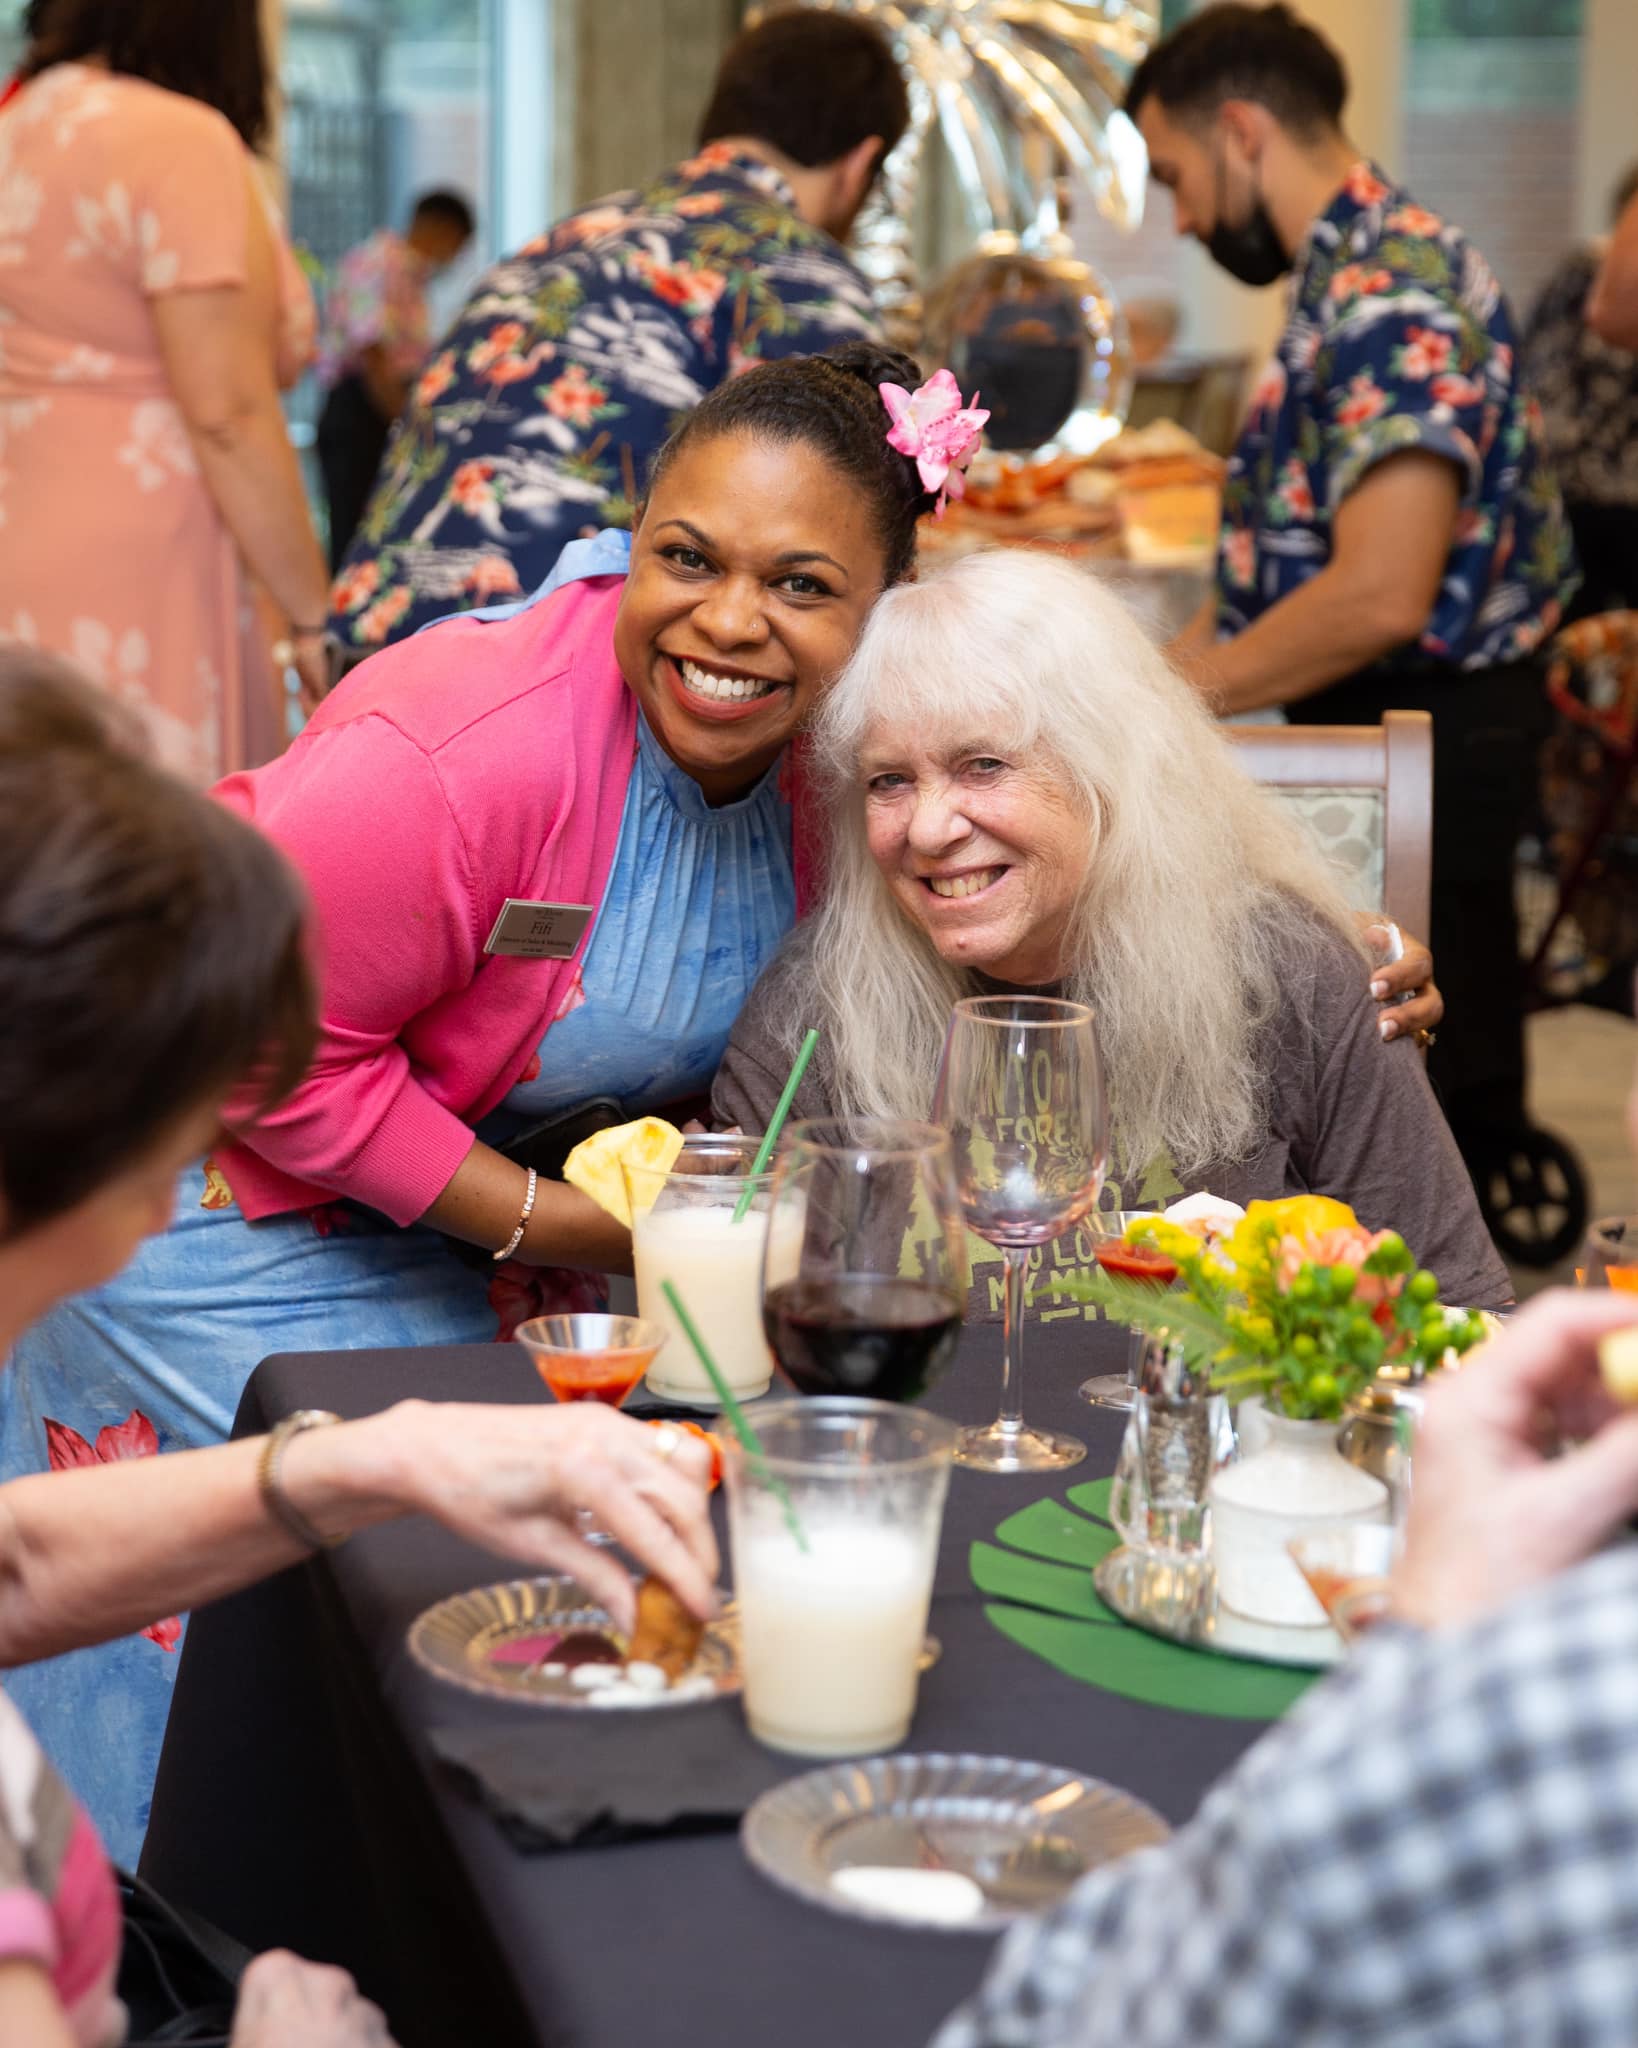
<point x="831" y="404"/>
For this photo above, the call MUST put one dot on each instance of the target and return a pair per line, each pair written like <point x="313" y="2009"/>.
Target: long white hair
<point x="1200" y="894"/>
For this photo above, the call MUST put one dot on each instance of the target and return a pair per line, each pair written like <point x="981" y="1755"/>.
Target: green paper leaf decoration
<point x="1041" y="1597"/>
<point x="1142" y="1667"/>
<point x="1050" y="1529"/>
<point x="1093" y="1498"/>
<point x="1058" y="1588"/>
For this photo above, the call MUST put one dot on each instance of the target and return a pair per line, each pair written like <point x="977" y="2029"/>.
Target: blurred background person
<point x="1393" y="537"/>
<point x="372" y="346"/>
<point x="537" y="418"/>
<point x="1612" y="311"/>
<point x="1588" y="392"/>
<point x="152" y="310"/>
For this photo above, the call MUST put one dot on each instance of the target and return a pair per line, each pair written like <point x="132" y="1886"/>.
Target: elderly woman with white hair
<point x="1024" y="796"/>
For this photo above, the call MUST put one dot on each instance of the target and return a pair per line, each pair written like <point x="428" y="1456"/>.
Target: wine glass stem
<point x="1012" y="1342"/>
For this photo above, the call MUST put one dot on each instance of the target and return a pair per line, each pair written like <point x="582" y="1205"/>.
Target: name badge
<point x="538" y="931"/>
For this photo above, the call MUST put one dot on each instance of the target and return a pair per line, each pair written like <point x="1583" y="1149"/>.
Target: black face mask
<point x="1253" y="253"/>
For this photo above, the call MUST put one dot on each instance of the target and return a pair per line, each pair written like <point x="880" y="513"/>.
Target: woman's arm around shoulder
<point x="1366" y="1127"/>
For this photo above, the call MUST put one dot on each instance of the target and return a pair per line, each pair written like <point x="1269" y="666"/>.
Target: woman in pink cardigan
<point x="608" y="759"/>
<point x="613" y="748"/>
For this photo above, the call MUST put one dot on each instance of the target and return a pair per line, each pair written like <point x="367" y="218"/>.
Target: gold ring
<point x="667" y="1437"/>
<point x="1425" y="1038"/>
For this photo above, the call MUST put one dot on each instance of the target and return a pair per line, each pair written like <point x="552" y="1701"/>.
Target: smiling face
<point x="986" y="851"/>
<point x="752" y="573"/>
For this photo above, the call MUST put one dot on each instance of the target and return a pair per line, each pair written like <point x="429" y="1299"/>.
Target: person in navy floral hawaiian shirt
<point x="1393" y="535"/>
<point x="536" y="419"/>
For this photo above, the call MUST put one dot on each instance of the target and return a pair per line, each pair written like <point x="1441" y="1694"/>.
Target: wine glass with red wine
<point x="864" y="1279"/>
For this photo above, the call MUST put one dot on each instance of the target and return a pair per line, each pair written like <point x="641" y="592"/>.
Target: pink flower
<point x="1413" y="220"/>
<point x="574" y="397"/>
<point x="1365" y="402"/>
<point x="436" y="379"/>
<point x="492" y="576"/>
<point x="696" y="205"/>
<point x="356" y="586"/>
<point x="135" y="1437"/>
<point x="497" y="346"/>
<point x="584" y="227"/>
<point x="933" y="427"/>
<point x="471" y="488"/>
<point x="1296" y="494"/>
<point x="711" y="158"/>
<point x="1353" y="280"/>
<point x="1240" y="557"/>
<point x="692" y="288"/>
<point x="382" y="616"/>
<point x="1455" y="390"/>
<point x="1364" y="187"/>
<point x="1342" y="1247"/>
<point x="1269" y="394"/>
<point x="1425" y="353"/>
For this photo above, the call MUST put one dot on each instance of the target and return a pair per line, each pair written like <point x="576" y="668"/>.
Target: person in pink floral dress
<point x="149" y="308"/>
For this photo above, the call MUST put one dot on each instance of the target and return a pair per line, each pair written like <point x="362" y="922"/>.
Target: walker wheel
<point x="1532" y="1195"/>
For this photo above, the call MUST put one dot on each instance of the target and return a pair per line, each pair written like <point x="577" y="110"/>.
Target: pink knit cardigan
<point x="484" y="760"/>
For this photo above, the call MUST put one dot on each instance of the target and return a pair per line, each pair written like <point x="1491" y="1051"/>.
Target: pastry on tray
<point x="666" y="1633"/>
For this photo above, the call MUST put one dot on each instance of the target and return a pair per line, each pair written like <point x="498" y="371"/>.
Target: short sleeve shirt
<point x="1398" y="339"/>
<point x="1588" y="390"/>
<point x="378" y="300"/>
<point x="539" y="415"/>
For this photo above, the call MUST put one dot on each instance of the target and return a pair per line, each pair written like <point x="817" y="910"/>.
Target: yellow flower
<point x="1169" y="1238"/>
<point x="1255" y="1240"/>
<point x="1304" y="1215"/>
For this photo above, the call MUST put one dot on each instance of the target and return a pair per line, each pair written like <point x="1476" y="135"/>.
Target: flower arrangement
<point x="1299" y="1303"/>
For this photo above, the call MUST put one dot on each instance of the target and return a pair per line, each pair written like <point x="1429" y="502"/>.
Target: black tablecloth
<point x="298" y="1804"/>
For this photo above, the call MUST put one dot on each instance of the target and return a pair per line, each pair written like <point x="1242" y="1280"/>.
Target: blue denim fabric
<point x="174" y="1339"/>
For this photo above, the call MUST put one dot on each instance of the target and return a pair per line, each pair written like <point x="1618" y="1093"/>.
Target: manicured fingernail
<point x="1379" y="989"/>
<point x="1388" y="1028"/>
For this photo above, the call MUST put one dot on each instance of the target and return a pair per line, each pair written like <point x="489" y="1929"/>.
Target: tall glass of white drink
<point x="685" y="1228"/>
<point x="835" y="1534"/>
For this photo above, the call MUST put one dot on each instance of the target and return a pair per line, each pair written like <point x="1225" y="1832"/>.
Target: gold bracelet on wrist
<point x="268" y="1484"/>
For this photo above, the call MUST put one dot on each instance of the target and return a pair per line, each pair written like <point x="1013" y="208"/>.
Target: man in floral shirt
<point x="538" y="417"/>
<point x="1392" y="535"/>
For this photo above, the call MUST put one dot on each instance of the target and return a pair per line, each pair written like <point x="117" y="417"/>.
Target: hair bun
<point x="874" y="363"/>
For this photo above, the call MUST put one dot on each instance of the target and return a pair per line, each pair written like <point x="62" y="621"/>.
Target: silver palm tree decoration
<point x="996" y="80"/>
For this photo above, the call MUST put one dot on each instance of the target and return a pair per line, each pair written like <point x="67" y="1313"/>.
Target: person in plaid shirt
<point x="1439" y="1847"/>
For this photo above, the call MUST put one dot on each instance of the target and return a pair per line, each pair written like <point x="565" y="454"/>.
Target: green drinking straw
<point x="776" y="1123"/>
<point x="748" y="1437"/>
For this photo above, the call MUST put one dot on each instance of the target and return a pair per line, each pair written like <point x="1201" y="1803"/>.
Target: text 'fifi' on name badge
<point x="538" y="931"/>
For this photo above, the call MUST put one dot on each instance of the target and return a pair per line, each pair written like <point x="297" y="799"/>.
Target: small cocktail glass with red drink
<point x="1126" y="1262"/>
<point x="588" y="1357"/>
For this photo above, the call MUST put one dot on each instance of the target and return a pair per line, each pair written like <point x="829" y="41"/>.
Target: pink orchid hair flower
<point x="937" y="432"/>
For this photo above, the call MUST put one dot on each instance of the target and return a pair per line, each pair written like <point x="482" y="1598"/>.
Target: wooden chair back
<point x="1365" y="795"/>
